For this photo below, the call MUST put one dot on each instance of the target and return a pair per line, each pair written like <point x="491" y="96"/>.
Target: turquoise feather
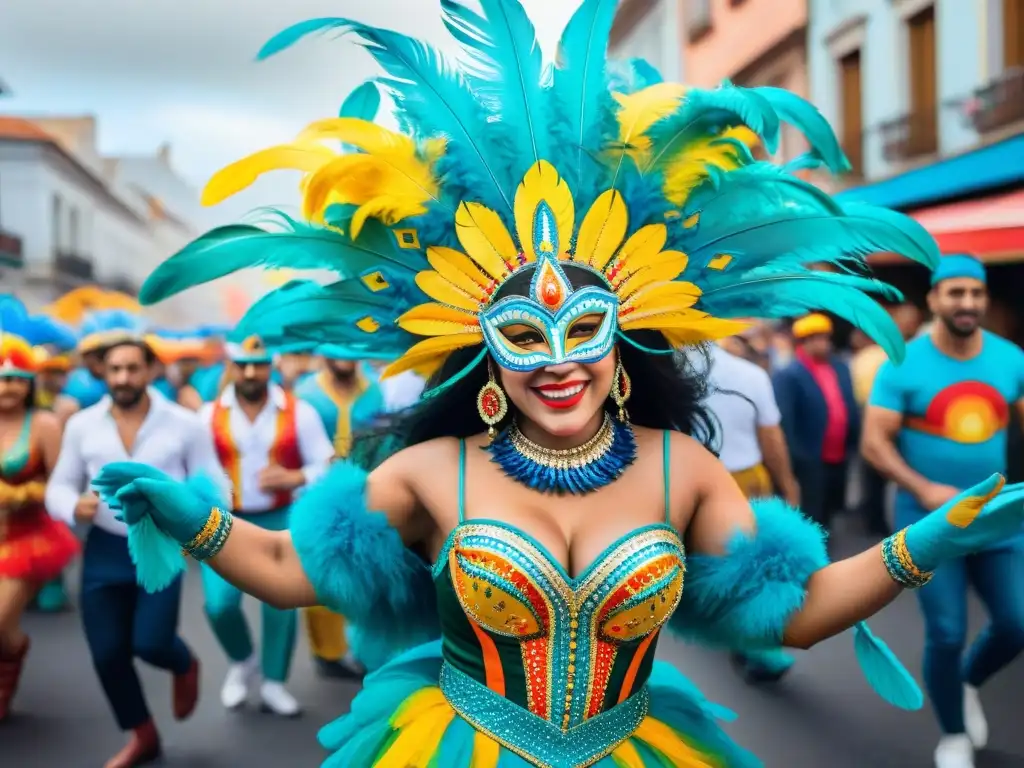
<point x="810" y="122"/>
<point x="157" y="557"/>
<point x="36" y="330"/>
<point x="579" y="90"/>
<point x="363" y="103"/>
<point x="884" y="672"/>
<point x="507" y="72"/>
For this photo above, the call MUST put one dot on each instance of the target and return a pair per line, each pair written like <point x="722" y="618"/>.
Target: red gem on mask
<point x="551" y="291"/>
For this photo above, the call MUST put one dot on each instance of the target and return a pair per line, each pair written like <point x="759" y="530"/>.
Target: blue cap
<point x="958" y="265"/>
<point x="251" y="351"/>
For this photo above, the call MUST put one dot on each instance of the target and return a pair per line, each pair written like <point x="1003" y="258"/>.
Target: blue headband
<point x="958" y="265"/>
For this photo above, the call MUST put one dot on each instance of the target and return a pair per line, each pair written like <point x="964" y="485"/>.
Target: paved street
<point x="823" y="714"/>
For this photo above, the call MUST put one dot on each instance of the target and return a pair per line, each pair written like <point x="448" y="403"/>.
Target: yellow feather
<point x="642" y="246"/>
<point x="439" y="289"/>
<point x="666" y="741"/>
<point x="485" y="239"/>
<point x="966" y="510"/>
<point x="431" y="352"/>
<point x="459" y="270"/>
<point x="486" y="751"/>
<point x="542" y="182"/>
<point x="603" y="229"/>
<point x="387" y="209"/>
<point x="239" y="175"/>
<point x="639" y="111"/>
<point x="664" y="271"/>
<point x="438" y="320"/>
<point x="663" y="296"/>
<point x="368" y="136"/>
<point x="686" y="172"/>
<point x="419" y="735"/>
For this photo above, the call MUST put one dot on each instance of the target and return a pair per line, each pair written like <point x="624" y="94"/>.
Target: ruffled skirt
<point x="401" y="719"/>
<point x="34" y="546"/>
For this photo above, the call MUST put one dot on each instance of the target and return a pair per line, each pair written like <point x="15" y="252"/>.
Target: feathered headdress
<point x="24" y="338"/>
<point x="520" y="192"/>
<point x="73" y="306"/>
<point x="104" y="327"/>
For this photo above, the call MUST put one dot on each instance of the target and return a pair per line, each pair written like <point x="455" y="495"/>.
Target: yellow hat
<point x="811" y="325"/>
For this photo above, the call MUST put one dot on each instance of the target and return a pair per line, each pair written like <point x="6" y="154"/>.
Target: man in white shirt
<point x="121" y="620"/>
<point x="271" y="444"/>
<point x="752" y="447"/>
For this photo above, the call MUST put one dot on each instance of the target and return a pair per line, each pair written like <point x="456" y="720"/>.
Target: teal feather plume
<point x="579" y="90"/>
<point x="806" y="118"/>
<point x="884" y="672"/>
<point x="363" y="103"/>
<point x="507" y="73"/>
<point x="36" y="330"/>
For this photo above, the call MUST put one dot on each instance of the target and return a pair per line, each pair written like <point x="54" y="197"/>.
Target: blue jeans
<point x="123" y="622"/>
<point x="998" y="578"/>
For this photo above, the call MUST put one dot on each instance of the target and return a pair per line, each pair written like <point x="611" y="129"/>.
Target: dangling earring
<point x="622" y="388"/>
<point x="491" y="403"/>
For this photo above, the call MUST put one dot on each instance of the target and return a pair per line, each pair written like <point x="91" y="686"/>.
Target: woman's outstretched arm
<point x="265" y="564"/>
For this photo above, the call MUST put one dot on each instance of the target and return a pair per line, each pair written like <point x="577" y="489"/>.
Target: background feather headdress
<point x="656" y="181"/>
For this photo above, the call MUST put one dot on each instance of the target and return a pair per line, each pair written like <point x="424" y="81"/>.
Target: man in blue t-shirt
<point x="936" y="425"/>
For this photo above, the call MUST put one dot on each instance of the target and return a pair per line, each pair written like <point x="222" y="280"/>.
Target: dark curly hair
<point x="668" y="394"/>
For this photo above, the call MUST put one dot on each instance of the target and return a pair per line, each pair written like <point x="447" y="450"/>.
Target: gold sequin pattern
<point x="580" y="456"/>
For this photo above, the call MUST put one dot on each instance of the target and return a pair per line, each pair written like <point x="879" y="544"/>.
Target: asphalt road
<point x="822" y="714"/>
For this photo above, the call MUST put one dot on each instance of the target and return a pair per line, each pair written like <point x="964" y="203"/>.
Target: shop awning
<point x="991" y="228"/>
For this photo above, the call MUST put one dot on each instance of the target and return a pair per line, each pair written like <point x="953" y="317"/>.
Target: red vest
<point x="284" y="452"/>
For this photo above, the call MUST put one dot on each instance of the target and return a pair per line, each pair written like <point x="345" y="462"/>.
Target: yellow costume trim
<point x="964" y="512"/>
<point x="18" y="496"/>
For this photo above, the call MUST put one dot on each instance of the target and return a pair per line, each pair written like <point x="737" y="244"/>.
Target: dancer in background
<point x="122" y="622"/>
<point x="346" y="400"/>
<point x="271" y="445"/>
<point x="935" y="425"/>
<point x="752" y="447"/>
<point x="34" y="548"/>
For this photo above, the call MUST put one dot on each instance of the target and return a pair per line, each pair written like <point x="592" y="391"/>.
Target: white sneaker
<point x="974" y="718"/>
<point x="277" y="700"/>
<point x="238" y="683"/>
<point x="954" y="751"/>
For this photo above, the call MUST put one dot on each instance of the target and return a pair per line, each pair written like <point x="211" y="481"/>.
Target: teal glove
<point x="138" y="491"/>
<point x="969" y="522"/>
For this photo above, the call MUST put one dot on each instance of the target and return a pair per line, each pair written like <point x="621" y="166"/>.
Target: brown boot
<point x="143" y="747"/>
<point x="11" y="665"/>
<point x="186" y="691"/>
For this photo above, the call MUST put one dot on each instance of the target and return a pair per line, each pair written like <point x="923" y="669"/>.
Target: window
<point x="922" y="127"/>
<point x="57" y="224"/>
<point x="698" y="18"/>
<point x="852" y="110"/>
<point x="73" y="233"/>
<point x="1013" y="33"/>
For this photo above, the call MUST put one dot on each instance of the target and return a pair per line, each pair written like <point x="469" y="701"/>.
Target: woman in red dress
<point x="34" y="548"/>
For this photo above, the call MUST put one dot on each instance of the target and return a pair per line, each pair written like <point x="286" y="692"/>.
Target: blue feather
<point x="104" y="320"/>
<point x="362" y="103"/>
<point x="36" y="330"/>
<point x="809" y="121"/>
<point x="884" y="672"/>
<point x="579" y="89"/>
<point x="508" y="72"/>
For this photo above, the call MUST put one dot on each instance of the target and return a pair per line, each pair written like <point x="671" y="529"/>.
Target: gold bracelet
<point x="208" y="532"/>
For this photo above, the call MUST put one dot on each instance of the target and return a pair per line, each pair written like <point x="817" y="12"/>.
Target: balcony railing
<point x="11" y="252"/>
<point x="910" y="136"/>
<point x="998" y="104"/>
<point x="74" y="266"/>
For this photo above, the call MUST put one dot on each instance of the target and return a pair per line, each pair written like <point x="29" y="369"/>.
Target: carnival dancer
<point x="121" y="621"/>
<point x="346" y="400"/>
<point x="271" y="445"/>
<point x="86" y="385"/>
<point x="935" y="425"/>
<point x="34" y="548"/>
<point x="752" y="446"/>
<point x="539" y="248"/>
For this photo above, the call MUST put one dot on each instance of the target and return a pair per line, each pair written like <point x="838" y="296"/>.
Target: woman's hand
<point x="969" y="522"/>
<point x="136" y="491"/>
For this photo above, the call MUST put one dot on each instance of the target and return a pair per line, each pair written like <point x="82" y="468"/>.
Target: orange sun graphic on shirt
<point x="966" y="412"/>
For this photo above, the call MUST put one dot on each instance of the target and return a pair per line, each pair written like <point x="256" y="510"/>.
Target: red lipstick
<point x="555" y="395"/>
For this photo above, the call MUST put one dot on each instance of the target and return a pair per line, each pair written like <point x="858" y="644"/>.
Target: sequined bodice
<point x="567" y="649"/>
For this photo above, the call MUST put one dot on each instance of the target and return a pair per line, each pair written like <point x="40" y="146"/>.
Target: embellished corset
<point x="565" y="649"/>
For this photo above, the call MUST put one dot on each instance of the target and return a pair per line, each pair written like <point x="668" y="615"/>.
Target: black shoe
<point x="755" y="673"/>
<point x="338" y="670"/>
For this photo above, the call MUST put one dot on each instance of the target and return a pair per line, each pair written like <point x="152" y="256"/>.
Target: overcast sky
<point x="183" y="71"/>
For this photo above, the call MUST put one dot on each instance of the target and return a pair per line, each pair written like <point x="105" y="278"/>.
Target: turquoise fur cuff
<point x="744" y="598"/>
<point x="359" y="567"/>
